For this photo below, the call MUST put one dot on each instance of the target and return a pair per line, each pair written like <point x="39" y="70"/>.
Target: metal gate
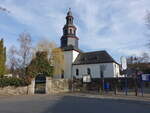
<point x="40" y="84"/>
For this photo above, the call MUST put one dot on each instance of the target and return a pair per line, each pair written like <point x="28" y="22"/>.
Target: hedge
<point x="14" y="82"/>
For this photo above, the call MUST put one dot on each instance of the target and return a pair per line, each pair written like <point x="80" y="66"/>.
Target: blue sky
<point x="117" y="26"/>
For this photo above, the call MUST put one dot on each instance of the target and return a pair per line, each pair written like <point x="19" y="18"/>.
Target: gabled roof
<point x="93" y="58"/>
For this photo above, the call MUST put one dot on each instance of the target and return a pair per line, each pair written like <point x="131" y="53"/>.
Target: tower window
<point x="65" y="31"/>
<point x="70" y="31"/>
<point x="77" y="72"/>
<point x="70" y="20"/>
<point x="88" y="71"/>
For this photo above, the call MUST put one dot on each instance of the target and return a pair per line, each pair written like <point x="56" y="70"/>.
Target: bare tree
<point x="55" y="56"/>
<point x="45" y="45"/>
<point x="58" y="62"/>
<point x="25" y="50"/>
<point x="145" y="57"/>
<point x="12" y="59"/>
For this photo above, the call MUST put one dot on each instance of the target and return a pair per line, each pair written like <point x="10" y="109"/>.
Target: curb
<point x="136" y="100"/>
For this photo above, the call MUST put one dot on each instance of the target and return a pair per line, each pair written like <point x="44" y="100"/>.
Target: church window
<point x="77" y="72"/>
<point x="62" y="74"/>
<point x="88" y="71"/>
<point x="70" y="20"/>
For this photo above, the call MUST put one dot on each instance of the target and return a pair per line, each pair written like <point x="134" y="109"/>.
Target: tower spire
<point x="69" y="9"/>
<point x="69" y="12"/>
<point x="69" y="17"/>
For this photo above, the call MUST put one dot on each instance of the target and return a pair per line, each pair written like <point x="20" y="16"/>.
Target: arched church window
<point x="77" y="72"/>
<point x="88" y="71"/>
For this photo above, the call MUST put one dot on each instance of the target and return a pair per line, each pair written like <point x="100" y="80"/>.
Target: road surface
<point x="69" y="104"/>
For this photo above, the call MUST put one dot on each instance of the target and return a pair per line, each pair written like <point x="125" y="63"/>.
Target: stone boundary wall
<point x="57" y="85"/>
<point x="31" y="87"/>
<point x="11" y="90"/>
<point x="53" y="86"/>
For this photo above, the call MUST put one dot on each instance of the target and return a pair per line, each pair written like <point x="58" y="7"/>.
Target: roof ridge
<point x="95" y="51"/>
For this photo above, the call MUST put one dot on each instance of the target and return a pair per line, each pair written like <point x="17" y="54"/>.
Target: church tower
<point x="69" y="40"/>
<point x="69" y="45"/>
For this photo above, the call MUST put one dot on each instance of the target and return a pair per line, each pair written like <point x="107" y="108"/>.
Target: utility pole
<point x="136" y="81"/>
<point x="102" y="69"/>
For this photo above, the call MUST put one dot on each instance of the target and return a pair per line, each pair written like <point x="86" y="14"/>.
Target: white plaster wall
<point x="95" y="70"/>
<point x="69" y="57"/>
<point x="67" y="63"/>
<point x="75" y="55"/>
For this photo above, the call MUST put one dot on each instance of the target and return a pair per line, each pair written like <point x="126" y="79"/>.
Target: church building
<point x="78" y="63"/>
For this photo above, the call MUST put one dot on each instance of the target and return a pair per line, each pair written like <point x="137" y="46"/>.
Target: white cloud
<point x="115" y="25"/>
<point x="125" y="21"/>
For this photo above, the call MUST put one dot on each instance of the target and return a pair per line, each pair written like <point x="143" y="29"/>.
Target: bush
<point x="40" y="64"/>
<point x="14" y="81"/>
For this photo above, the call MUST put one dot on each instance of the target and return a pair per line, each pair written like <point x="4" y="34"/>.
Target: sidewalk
<point x="119" y="96"/>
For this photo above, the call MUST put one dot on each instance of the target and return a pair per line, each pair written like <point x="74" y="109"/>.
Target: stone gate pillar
<point x="31" y="87"/>
<point x="48" y="85"/>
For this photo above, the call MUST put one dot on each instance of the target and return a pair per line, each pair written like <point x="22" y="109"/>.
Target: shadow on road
<point x="73" y="104"/>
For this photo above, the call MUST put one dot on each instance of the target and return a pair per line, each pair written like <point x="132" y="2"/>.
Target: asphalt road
<point x="69" y="104"/>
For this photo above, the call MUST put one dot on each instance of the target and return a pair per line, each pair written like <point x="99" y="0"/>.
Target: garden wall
<point x="20" y="90"/>
<point x="11" y="90"/>
<point x="53" y="86"/>
<point x="57" y="85"/>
